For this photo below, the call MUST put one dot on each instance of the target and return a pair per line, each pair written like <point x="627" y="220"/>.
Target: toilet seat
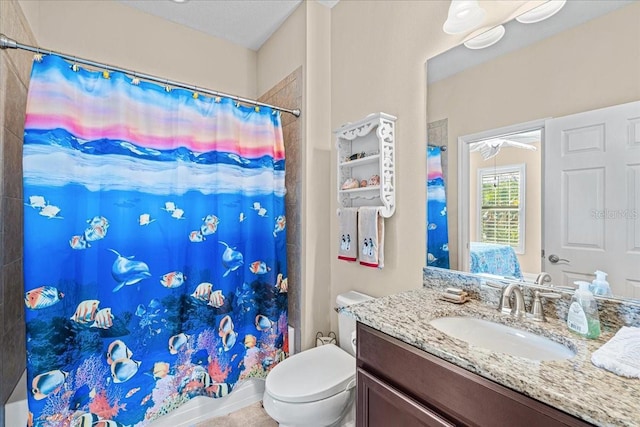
<point x="312" y="375"/>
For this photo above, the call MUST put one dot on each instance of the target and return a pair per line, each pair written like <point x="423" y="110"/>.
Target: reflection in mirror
<point x="548" y="75"/>
<point x="504" y="205"/>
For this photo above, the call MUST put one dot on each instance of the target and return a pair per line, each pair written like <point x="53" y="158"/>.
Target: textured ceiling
<point x="248" y="23"/>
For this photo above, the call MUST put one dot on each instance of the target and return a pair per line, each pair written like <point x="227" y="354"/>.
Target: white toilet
<point x="316" y="388"/>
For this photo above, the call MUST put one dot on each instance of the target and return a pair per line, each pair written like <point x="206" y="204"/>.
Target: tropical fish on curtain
<point x="437" y="227"/>
<point x="154" y="254"/>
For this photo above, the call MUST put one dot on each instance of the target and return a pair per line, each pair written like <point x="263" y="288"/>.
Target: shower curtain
<point x="437" y="228"/>
<point x="154" y="246"/>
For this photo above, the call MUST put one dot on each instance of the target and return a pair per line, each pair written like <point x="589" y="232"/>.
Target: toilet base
<point x="348" y="421"/>
<point x="313" y="414"/>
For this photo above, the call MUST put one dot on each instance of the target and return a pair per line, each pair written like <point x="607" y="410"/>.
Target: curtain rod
<point x="9" y="43"/>
<point x="442" y="147"/>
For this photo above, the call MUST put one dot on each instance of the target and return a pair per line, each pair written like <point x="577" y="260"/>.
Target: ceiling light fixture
<point x="179" y="1"/>
<point x="486" y="39"/>
<point x="542" y="12"/>
<point x="464" y="15"/>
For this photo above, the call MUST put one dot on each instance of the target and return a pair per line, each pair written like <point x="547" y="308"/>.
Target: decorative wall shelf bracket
<point x="367" y="158"/>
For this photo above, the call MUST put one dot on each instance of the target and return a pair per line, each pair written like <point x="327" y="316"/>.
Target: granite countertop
<point x="574" y="385"/>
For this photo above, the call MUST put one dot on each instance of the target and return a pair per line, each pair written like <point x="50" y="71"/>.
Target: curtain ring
<point x="38" y="56"/>
<point x="74" y="66"/>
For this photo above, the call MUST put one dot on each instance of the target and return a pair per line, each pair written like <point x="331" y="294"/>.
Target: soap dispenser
<point x="600" y="286"/>
<point x="583" y="316"/>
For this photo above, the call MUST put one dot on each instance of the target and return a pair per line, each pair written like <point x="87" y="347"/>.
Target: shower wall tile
<point x="3" y="325"/>
<point x="12" y="165"/>
<point x="14" y="362"/>
<point x="15" y="70"/>
<point x="12" y="230"/>
<point x="15" y="103"/>
<point x="14" y="25"/>
<point x="12" y="294"/>
<point x="4" y="71"/>
<point x="2" y="209"/>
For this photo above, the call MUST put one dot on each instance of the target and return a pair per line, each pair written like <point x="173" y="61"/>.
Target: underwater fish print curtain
<point x="154" y="246"/>
<point x="437" y="227"/>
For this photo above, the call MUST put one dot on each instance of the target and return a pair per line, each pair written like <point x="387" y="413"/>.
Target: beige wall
<point x="317" y="186"/>
<point x="379" y="49"/>
<point x="284" y="51"/>
<point x="591" y="66"/>
<point x="305" y="40"/>
<point x="530" y="259"/>
<point x="111" y="32"/>
<point x="15" y="69"/>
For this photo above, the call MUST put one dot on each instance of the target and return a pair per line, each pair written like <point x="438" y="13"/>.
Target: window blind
<point x="500" y="209"/>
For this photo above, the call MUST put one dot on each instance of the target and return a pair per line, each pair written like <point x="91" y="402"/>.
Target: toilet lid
<point x="312" y="375"/>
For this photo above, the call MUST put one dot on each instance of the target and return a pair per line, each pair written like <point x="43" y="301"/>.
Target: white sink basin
<point x="502" y="339"/>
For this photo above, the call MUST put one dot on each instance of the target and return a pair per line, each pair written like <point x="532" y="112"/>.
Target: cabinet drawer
<point x="456" y="393"/>
<point x="381" y="405"/>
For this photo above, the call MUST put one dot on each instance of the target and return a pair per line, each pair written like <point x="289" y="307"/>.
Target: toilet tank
<point x="347" y="324"/>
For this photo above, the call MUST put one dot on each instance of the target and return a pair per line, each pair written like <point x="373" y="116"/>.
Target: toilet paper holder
<point x="322" y="339"/>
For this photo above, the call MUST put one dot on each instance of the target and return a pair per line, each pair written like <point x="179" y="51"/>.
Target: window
<point x="501" y="205"/>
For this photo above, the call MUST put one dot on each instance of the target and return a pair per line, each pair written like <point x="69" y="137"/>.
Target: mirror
<point x="584" y="58"/>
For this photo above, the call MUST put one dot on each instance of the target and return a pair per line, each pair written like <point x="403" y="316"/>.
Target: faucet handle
<point x="551" y="295"/>
<point x="501" y="302"/>
<point x="493" y="285"/>
<point x="543" y="278"/>
<point x="537" y="311"/>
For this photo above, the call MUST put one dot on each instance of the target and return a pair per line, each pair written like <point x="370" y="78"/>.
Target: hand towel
<point x="621" y="354"/>
<point x="348" y="234"/>
<point x="371" y="237"/>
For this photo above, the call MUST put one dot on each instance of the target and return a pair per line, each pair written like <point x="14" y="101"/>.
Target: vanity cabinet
<point x="365" y="149"/>
<point x="400" y="385"/>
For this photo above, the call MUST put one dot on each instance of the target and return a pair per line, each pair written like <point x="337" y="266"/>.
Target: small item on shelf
<point x="356" y="156"/>
<point x="350" y="183"/>
<point x="374" y="180"/>
<point x="363" y="183"/>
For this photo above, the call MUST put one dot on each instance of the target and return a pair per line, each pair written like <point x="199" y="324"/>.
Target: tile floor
<point x="251" y="416"/>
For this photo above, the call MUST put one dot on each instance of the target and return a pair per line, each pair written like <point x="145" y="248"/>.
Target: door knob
<point x="553" y="258"/>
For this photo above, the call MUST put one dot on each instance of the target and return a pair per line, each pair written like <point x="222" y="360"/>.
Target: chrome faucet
<point x="543" y="278"/>
<point x="505" y="302"/>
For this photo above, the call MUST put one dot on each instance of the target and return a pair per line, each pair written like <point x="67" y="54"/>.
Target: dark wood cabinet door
<point x="381" y="405"/>
<point x="439" y="387"/>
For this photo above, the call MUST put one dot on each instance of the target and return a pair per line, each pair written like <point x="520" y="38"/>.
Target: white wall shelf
<point x="374" y="158"/>
<point x="375" y="137"/>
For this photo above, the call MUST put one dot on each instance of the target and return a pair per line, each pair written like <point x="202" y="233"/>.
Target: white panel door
<point x="592" y="197"/>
